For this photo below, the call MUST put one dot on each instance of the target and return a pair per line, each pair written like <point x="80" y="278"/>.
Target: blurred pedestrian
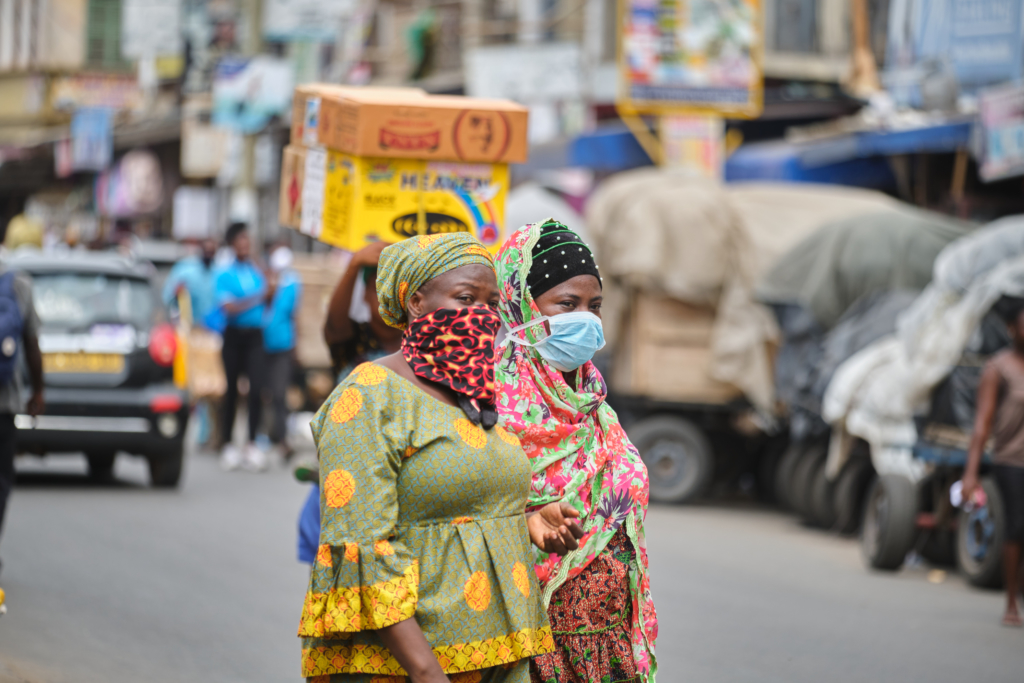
<point x="425" y="544"/>
<point x="1000" y="414"/>
<point x="19" y="339"/>
<point x="195" y="275"/>
<point x="241" y="290"/>
<point x="552" y="398"/>
<point x="351" y="342"/>
<point x="283" y="293"/>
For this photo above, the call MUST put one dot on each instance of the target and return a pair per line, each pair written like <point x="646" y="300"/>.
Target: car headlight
<point x="167" y="424"/>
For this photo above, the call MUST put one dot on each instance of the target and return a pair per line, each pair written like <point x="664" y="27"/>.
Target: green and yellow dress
<point x="422" y="513"/>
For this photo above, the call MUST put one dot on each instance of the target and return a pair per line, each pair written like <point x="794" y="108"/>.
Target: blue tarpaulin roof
<point x="856" y="159"/>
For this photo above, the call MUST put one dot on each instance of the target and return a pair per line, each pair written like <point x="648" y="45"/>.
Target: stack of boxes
<point x="369" y="164"/>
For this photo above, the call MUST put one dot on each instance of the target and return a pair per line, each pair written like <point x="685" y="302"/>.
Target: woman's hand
<point x="369" y="256"/>
<point x="970" y="485"/>
<point x="553" y="528"/>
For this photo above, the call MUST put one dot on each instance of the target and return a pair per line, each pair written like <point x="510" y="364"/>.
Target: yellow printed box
<point x="368" y="199"/>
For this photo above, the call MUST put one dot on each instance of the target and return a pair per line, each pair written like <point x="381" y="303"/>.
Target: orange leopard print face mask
<point x="455" y="347"/>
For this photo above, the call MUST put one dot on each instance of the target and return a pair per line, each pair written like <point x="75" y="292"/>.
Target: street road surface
<point x="122" y="583"/>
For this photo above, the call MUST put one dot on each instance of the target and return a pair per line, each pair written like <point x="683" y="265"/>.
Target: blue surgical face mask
<point x="566" y="341"/>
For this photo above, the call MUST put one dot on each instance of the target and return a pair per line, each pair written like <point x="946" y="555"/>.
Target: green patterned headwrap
<point x="405" y="267"/>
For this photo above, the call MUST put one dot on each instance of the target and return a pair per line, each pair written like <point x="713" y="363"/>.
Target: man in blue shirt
<point x="240" y="292"/>
<point x="195" y="275"/>
<point x="284" y="292"/>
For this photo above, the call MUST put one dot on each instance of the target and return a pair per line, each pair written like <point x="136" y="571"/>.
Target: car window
<point x="76" y="301"/>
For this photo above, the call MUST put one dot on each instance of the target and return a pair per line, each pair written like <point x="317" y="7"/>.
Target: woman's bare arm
<point x="988" y="395"/>
<point x="338" y="325"/>
<point x="406" y="642"/>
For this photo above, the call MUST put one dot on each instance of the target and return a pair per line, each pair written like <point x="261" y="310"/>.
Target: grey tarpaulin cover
<point x="804" y="368"/>
<point x="857" y="255"/>
<point x="661" y="232"/>
<point x="875" y="394"/>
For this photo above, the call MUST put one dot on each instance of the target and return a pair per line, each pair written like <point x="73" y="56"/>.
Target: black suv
<point x="108" y="354"/>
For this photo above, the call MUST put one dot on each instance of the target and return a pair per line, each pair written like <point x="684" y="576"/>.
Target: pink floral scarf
<point x="579" y="452"/>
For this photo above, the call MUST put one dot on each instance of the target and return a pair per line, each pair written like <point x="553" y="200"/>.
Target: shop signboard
<point x="150" y="28"/>
<point x="694" y="144"/>
<point x="1001" y="120"/>
<point x="982" y="41"/>
<point x="113" y="91"/>
<point x="548" y="72"/>
<point x="195" y="212"/>
<point x="92" y="138"/>
<point x="698" y="55"/>
<point x="247" y="93"/>
<point x="314" y="20"/>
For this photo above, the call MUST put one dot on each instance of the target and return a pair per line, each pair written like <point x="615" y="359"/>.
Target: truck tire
<point x="803" y="478"/>
<point x="784" y="473"/>
<point x="823" y="509"/>
<point x="979" y="540"/>
<point x="848" y="498"/>
<point x="679" y="459"/>
<point x="767" y="466"/>
<point x="165" y="471"/>
<point x="101" y="465"/>
<point x="890" y="522"/>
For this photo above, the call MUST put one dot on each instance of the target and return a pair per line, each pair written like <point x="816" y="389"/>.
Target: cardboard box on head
<point x="293" y="171"/>
<point x="432" y="127"/>
<point x="370" y="199"/>
<point x="307" y="103"/>
<point x="358" y="200"/>
<point x="369" y="164"/>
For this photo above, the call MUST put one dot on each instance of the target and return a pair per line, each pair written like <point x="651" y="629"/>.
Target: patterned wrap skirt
<point x="516" y="672"/>
<point x="590" y="617"/>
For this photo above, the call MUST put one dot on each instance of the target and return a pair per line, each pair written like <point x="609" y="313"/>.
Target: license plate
<point x="83" y="362"/>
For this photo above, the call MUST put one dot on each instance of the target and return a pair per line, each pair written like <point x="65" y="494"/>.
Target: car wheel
<point x="165" y="472"/>
<point x="979" y="540"/>
<point x="890" y="522"/>
<point x="848" y="498"/>
<point x="101" y="465"/>
<point x="679" y="460"/>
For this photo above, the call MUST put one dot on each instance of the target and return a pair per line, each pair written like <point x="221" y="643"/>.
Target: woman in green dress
<point x="423" y="568"/>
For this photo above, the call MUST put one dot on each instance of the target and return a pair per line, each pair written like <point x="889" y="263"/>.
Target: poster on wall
<point x="698" y="55"/>
<point x="212" y="30"/>
<point x="1001" y="120"/>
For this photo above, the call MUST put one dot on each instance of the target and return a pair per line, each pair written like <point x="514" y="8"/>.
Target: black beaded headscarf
<point x="559" y="255"/>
